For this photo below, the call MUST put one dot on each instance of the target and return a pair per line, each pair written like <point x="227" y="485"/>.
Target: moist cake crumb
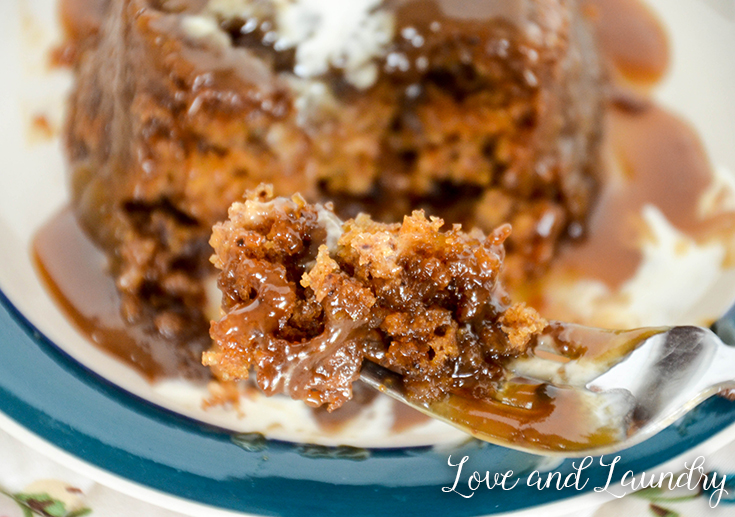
<point x="416" y="297"/>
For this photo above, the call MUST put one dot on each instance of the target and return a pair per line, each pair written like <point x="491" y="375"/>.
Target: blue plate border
<point x="51" y="394"/>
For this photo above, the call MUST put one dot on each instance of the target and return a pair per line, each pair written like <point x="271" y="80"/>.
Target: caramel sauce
<point x="405" y="417"/>
<point x="652" y="158"/>
<point x="664" y="163"/>
<point x="535" y="414"/>
<point x="424" y="12"/>
<point x="79" y="19"/>
<point x="530" y="414"/>
<point x="41" y="128"/>
<point x="335" y="421"/>
<point x="589" y="344"/>
<point x="636" y="47"/>
<point x="74" y="273"/>
<point x="631" y="37"/>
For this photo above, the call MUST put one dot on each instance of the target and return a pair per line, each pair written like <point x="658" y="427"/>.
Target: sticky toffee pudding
<point x="306" y="298"/>
<point x="401" y="109"/>
<point x="481" y="117"/>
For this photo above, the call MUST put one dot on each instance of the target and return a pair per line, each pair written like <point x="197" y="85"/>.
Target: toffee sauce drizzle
<point x="665" y="165"/>
<point x="75" y="274"/>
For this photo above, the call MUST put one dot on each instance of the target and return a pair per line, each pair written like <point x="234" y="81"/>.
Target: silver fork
<point x="625" y="389"/>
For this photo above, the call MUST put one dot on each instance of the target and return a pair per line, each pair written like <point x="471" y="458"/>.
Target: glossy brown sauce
<point x="475" y="10"/>
<point x="652" y="158"/>
<point x="405" y="417"/>
<point x="534" y="414"/>
<point x="604" y="347"/>
<point x="631" y="38"/>
<point x="336" y="420"/>
<point x="530" y="414"/>
<point x="636" y="47"/>
<point x="80" y="19"/>
<point x="74" y="272"/>
<point x="664" y="163"/>
<point x="41" y="128"/>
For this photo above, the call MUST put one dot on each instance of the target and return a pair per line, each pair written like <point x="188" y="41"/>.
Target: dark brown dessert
<point x="482" y="116"/>
<point x="307" y="298"/>
<point x="651" y="143"/>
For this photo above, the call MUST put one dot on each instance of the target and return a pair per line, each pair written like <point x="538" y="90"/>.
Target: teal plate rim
<point x="52" y="395"/>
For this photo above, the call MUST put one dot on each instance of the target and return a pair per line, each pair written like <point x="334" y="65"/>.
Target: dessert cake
<point x="479" y="111"/>
<point x="306" y="298"/>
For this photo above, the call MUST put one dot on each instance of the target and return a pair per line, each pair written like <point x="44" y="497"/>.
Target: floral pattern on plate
<point x="47" y="498"/>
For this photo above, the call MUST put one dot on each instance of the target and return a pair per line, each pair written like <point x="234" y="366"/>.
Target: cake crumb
<point x="521" y="323"/>
<point x="421" y="300"/>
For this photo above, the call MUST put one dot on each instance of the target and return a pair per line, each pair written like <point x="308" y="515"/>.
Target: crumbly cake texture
<point x="481" y="117"/>
<point x="307" y="298"/>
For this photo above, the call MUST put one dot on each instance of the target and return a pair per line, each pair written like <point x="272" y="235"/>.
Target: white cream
<point x="674" y="272"/>
<point x="335" y="33"/>
<point x="313" y="100"/>
<point x="671" y="285"/>
<point x="720" y="196"/>
<point x="346" y="35"/>
<point x="332" y="224"/>
<point x="204" y="27"/>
